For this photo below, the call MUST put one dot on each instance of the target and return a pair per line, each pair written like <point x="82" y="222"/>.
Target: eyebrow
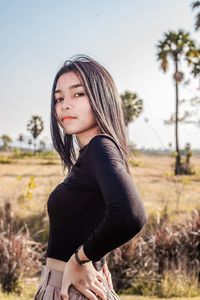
<point x="71" y="87"/>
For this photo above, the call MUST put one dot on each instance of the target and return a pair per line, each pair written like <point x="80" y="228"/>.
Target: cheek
<point x="57" y="113"/>
<point x="57" y="110"/>
<point x="91" y="120"/>
<point x="87" y="114"/>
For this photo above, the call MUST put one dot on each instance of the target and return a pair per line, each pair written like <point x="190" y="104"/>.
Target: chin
<point x="73" y="131"/>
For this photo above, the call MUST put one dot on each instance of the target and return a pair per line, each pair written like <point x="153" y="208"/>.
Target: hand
<point x="107" y="275"/>
<point x="84" y="278"/>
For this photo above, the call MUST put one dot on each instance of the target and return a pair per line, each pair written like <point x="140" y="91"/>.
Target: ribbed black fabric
<point x="97" y="204"/>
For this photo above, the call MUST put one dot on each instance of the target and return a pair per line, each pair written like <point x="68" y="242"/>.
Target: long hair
<point x="105" y="103"/>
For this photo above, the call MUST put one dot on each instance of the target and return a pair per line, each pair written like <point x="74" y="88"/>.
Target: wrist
<point x="74" y="261"/>
<point x="80" y="256"/>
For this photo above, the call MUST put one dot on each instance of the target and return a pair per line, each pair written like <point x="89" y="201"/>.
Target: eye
<point x="79" y="95"/>
<point x="58" y="100"/>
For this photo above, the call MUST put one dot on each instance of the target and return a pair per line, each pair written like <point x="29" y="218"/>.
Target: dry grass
<point x="16" y="176"/>
<point x="29" y="289"/>
<point x="152" y="177"/>
<point x="156" y="187"/>
<point x="126" y="297"/>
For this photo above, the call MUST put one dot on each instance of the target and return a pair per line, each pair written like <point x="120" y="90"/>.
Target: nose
<point x="65" y="104"/>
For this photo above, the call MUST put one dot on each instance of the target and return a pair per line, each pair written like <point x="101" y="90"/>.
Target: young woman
<point x="97" y="207"/>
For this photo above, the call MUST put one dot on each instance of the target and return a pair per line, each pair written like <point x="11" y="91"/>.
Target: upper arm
<point x="104" y="160"/>
<point x="108" y="169"/>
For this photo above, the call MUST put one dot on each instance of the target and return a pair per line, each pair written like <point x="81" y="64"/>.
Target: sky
<point x="37" y="36"/>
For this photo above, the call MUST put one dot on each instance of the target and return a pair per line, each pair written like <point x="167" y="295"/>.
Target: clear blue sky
<point x="37" y="36"/>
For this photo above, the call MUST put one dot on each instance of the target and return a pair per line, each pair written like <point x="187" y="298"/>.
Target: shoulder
<point x="102" y="140"/>
<point x="104" y="146"/>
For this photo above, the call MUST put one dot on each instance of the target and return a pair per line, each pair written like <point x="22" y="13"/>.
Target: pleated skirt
<point x="50" y="286"/>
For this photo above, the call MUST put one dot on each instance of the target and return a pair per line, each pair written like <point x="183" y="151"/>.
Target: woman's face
<point x="71" y="100"/>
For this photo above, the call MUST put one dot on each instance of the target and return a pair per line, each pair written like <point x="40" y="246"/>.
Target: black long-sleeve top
<point x="97" y="205"/>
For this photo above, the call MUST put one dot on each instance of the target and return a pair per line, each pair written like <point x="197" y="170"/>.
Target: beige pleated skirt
<point x="50" y="286"/>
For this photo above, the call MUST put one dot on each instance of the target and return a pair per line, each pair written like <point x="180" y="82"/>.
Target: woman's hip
<point x="51" y="282"/>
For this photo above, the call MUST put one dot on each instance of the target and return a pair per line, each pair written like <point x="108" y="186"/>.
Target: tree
<point x="35" y="127"/>
<point x="132" y="107"/>
<point x="30" y="142"/>
<point x="6" y="139"/>
<point x="177" y="46"/>
<point x="21" y="139"/>
<point x="196" y="5"/>
<point x="42" y="145"/>
<point x="193" y="59"/>
<point x="188" y="153"/>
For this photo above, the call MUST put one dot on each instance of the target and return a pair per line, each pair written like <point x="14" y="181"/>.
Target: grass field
<point x="29" y="293"/>
<point x="152" y="175"/>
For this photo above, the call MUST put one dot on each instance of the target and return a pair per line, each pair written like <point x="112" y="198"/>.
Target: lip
<point x="68" y="118"/>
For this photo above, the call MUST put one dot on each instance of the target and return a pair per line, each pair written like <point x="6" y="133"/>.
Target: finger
<point x="106" y="271"/>
<point x="99" y="291"/>
<point x="64" y="291"/>
<point x="64" y="295"/>
<point x="110" y="284"/>
<point x="105" y="267"/>
<point x="100" y="277"/>
<point x="89" y="294"/>
<point x="109" y="279"/>
<point x="108" y="276"/>
<point x="100" y="285"/>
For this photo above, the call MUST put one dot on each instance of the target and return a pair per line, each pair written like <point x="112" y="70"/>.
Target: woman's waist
<point x="55" y="264"/>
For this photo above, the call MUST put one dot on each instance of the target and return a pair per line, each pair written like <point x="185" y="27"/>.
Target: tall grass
<point x="20" y="255"/>
<point x="164" y="260"/>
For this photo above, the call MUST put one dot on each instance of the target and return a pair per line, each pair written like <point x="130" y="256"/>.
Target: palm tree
<point x="177" y="46"/>
<point x="6" y="139"/>
<point x="35" y="127"/>
<point x="193" y="59"/>
<point x="132" y="107"/>
<point x="196" y="5"/>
